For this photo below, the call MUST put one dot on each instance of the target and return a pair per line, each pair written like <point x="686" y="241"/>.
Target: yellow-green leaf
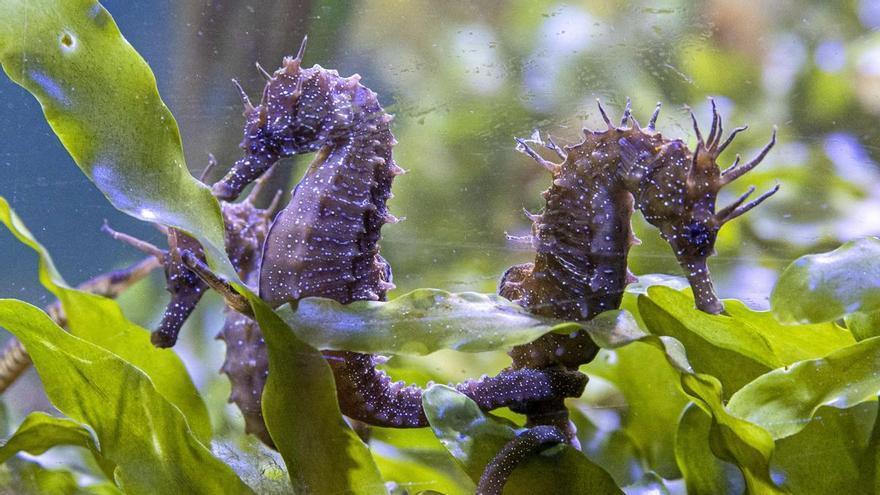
<point x="738" y="347"/>
<point x="137" y="429"/>
<point x="322" y="454"/>
<point x="40" y="432"/>
<point x="828" y="286"/>
<point x="703" y="473"/>
<point x="100" y="98"/>
<point x="100" y="321"/>
<point x="419" y="322"/>
<point x="744" y="444"/>
<point x="784" y="400"/>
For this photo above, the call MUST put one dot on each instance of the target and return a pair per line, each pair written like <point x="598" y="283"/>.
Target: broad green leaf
<point x="418" y="323"/>
<point x="100" y="321"/>
<point x="322" y="454"/>
<point x="703" y="473"/>
<point x="415" y="460"/>
<point x="614" y="450"/>
<point x="863" y="325"/>
<point x="740" y="346"/>
<point x="746" y="445"/>
<point x="418" y="469"/>
<point x="828" y="286"/>
<point x="474" y="437"/>
<point x="100" y="98"/>
<point x="137" y="429"/>
<point x="732" y="439"/>
<point x="827" y="456"/>
<point x="21" y="477"/>
<point x="790" y="343"/>
<point x="654" y="400"/>
<point x="784" y="400"/>
<point x="40" y="432"/>
<point x="870" y="467"/>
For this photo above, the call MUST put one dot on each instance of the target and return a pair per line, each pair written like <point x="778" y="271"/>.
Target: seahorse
<point x="583" y="235"/>
<point x="247" y="362"/>
<point x="325" y="241"/>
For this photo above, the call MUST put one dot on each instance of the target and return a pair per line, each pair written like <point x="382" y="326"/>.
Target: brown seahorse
<point x="583" y="236"/>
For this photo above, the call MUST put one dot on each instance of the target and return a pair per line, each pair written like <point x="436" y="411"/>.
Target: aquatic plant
<point x="307" y="320"/>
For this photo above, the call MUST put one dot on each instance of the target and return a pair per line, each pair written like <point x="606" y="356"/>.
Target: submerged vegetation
<point x="325" y="368"/>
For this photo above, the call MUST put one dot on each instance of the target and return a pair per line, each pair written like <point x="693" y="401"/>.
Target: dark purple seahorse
<point x="583" y="235"/>
<point x="325" y="242"/>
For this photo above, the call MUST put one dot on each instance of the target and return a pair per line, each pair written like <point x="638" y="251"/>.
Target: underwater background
<point x="462" y="79"/>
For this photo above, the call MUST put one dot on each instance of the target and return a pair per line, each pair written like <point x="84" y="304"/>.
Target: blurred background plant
<point x="464" y="78"/>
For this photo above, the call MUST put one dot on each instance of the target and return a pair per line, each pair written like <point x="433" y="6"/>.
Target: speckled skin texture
<point x="528" y="443"/>
<point x="247" y="361"/>
<point x="583" y="235"/>
<point x="325" y="243"/>
<point x="186" y="289"/>
<point x="582" y="239"/>
<point x="369" y="395"/>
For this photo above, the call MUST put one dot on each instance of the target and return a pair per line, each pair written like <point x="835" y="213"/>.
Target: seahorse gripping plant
<point x="583" y="235"/>
<point x="325" y="243"/>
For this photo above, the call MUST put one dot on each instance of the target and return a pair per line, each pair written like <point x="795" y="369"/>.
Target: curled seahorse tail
<point x="526" y="444"/>
<point x="371" y="396"/>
